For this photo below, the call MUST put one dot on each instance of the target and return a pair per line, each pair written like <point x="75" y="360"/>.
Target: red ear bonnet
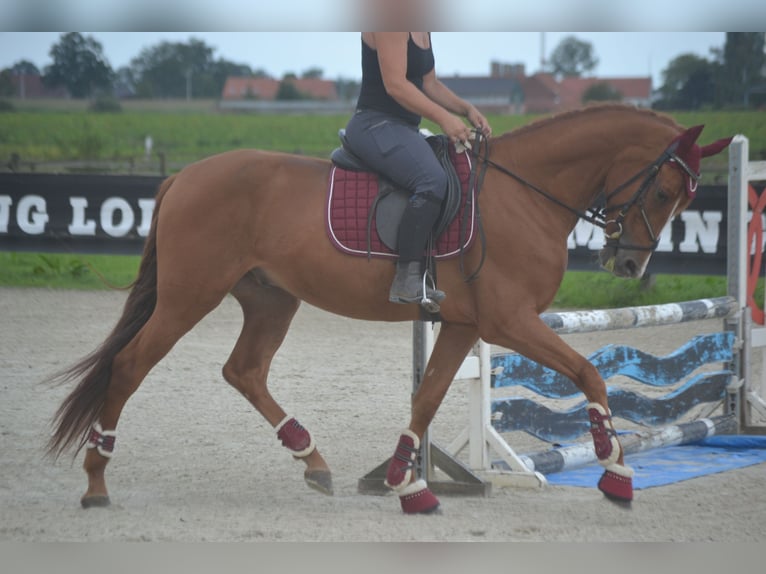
<point x="687" y="150"/>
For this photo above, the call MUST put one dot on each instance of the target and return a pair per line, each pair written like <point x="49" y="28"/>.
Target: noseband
<point x="613" y="228"/>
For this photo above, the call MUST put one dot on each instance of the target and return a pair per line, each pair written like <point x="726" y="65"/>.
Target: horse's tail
<point x="82" y="407"/>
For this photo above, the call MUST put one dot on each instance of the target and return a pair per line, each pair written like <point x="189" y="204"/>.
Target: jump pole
<point x="513" y="469"/>
<point x="581" y="454"/>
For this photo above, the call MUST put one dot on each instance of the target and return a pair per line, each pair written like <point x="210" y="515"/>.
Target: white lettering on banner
<point x="5" y="212"/>
<point x="126" y="217"/>
<point x="31" y="215"/>
<point x="116" y="218"/>
<point x="700" y="231"/>
<point x="666" y="239"/>
<point x="586" y="234"/>
<point x="147" y="208"/>
<point x="80" y="225"/>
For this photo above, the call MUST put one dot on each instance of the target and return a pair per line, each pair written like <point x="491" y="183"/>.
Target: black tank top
<point x="373" y="95"/>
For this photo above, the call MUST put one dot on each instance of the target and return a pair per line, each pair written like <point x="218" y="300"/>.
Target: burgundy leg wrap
<point x="418" y="499"/>
<point x="294" y="437"/>
<point x="101" y="440"/>
<point x="402" y="464"/>
<point x="604" y="437"/>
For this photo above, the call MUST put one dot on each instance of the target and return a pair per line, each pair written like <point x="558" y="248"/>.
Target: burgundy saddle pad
<point x="351" y="195"/>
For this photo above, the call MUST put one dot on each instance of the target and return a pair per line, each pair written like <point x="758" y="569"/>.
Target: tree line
<point x="734" y="76"/>
<point x="165" y="70"/>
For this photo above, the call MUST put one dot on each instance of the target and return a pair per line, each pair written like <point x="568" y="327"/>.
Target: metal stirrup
<point x="427" y="303"/>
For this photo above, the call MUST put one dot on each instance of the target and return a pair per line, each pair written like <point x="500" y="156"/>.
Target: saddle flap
<point x="390" y="201"/>
<point x="389" y="209"/>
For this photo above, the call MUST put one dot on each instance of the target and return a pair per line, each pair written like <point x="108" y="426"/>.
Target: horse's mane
<point x="588" y="110"/>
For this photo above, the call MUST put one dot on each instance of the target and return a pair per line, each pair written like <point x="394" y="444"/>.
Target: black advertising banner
<point x="112" y="214"/>
<point x="76" y="213"/>
<point x="694" y="243"/>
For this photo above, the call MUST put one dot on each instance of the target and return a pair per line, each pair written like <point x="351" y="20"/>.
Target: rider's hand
<point x="455" y="129"/>
<point x="478" y="121"/>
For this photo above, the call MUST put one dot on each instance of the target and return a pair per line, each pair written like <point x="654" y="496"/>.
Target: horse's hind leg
<point x="268" y="312"/>
<point x="172" y="317"/>
<point x="528" y="335"/>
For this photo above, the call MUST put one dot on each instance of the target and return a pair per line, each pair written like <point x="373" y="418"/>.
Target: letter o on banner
<point x="114" y="224"/>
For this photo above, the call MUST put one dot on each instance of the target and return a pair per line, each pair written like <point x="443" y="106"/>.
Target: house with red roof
<point x="253" y="88"/>
<point x="635" y="91"/>
<point x="540" y="93"/>
<point x="32" y="86"/>
<point x="509" y="90"/>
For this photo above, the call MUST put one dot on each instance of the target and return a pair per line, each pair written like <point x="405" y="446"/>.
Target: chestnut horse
<point x="252" y="223"/>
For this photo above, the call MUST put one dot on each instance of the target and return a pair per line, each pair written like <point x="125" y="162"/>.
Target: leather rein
<point x="597" y="215"/>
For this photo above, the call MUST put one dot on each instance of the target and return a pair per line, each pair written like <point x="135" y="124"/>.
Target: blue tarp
<point x="667" y="465"/>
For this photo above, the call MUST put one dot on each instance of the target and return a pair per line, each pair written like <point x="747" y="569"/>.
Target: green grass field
<point x="580" y="289"/>
<point x="188" y="131"/>
<point x="193" y="130"/>
<point x="57" y="271"/>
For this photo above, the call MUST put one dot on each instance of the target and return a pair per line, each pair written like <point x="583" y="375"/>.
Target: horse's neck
<point x="571" y="159"/>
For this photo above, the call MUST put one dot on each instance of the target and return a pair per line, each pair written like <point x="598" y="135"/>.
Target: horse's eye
<point x="662" y="195"/>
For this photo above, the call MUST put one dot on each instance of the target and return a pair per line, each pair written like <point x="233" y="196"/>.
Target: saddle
<point x="391" y="200"/>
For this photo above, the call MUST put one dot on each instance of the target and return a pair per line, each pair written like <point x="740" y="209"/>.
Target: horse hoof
<point x="417" y="498"/>
<point x="617" y="484"/>
<point x="319" y="480"/>
<point x="99" y="501"/>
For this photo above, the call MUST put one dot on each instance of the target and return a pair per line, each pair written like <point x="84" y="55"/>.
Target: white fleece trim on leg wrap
<point x="621" y="470"/>
<point x="297" y="453"/>
<point x="282" y="423"/>
<point x="102" y="451"/>
<point x="412" y="488"/>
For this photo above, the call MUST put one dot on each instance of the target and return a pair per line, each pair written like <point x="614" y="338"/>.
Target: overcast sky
<point x="338" y="53"/>
<point x="630" y="38"/>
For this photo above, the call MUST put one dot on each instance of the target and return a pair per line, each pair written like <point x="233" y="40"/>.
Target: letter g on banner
<point x="31" y="215"/>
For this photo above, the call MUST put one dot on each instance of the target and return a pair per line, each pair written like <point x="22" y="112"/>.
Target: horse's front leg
<point x="530" y="336"/>
<point x="452" y="345"/>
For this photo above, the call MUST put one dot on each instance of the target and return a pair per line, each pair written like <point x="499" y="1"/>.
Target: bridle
<point x="598" y="214"/>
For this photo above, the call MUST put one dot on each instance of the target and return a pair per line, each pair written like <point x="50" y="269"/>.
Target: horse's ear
<point x="715" y="147"/>
<point x="687" y="140"/>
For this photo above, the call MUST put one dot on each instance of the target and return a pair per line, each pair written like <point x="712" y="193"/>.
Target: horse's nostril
<point x="631" y="267"/>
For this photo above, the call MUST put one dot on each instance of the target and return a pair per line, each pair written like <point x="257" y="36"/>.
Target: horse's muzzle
<point x="622" y="263"/>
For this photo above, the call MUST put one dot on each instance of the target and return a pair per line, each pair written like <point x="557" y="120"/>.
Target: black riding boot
<point x="416" y="226"/>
